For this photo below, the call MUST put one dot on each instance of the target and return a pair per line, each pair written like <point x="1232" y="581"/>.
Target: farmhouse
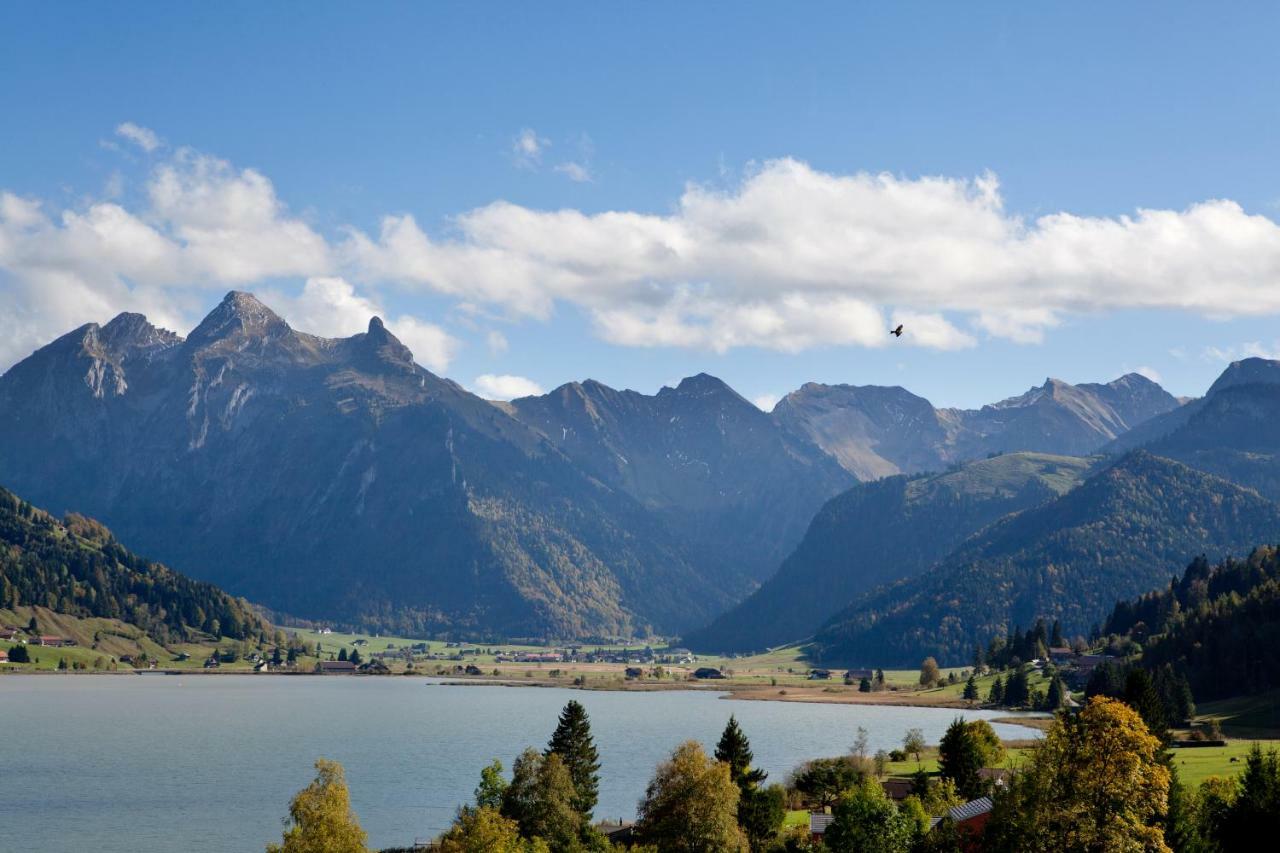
<point x="707" y="672"/>
<point x="53" y="642"/>
<point x="4" y="656"/>
<point x="335" y="666"/>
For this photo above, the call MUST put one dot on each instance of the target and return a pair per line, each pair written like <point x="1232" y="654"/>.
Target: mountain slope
<point x="76" y="567"/>
<point x="1125" y="530"/>
<point x="710" y="465"/>
<point x="336" y="479"/>
<point x="876" y="432"/>
<point x="880" y="532"/>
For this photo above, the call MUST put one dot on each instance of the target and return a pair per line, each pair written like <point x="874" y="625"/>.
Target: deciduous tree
<point x="320" y="816"/>
<point x="691" y="805"/>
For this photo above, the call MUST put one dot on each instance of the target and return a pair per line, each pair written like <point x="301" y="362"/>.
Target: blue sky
<point x="783" y="265"/>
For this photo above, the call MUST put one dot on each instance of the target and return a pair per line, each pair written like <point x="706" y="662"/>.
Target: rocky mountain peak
<point x="129" y="332"/>
<point x="1248" y="371"/>
<point x="238" y="314"/>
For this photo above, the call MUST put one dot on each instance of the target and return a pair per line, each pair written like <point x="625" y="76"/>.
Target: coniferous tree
<point x="735" y="750"/>
<point x="971" y="689"/>
<point x="572" y="741"/>
<point x="996" y="695"/>
<point x="1252" y="816"/>
<point x="960" y="759"/>
<point x="342" y="654"/>
<point x="1017" y="692"/>
<point x="760" y="811"/>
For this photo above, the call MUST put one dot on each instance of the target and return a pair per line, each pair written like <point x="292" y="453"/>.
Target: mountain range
<point x="336" y="479"/>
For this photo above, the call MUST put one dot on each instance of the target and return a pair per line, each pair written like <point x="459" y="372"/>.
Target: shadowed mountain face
<point x="877" y="431"/>
<point x="710" y="465"/>
<point x="880" y="532"/>
<point x="1125" y="530"/>
<point x="337" y="479"/>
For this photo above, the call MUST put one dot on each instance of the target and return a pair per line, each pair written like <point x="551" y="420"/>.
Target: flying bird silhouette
<point x="897" y="333"/>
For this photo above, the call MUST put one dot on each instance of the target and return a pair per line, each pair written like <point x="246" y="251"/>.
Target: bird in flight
<point x="897" y="333"/>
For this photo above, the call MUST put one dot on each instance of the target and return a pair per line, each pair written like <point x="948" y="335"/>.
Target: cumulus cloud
<point x="504" y="386"/>
<point x="331" y="307"/>
<point x="143" y="137"/>
<point x="787" y="258"/>
<point x="527" y="148"/>
<point x="1236" y="352"/>
<point x="794" y="257"/>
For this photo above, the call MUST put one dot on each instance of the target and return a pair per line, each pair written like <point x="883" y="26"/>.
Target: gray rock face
<point x="714" y="468"/>
<point x="877" y="432"/>
<point x="337" y="479"/>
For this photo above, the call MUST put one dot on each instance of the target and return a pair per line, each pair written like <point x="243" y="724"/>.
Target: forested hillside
<point x="880" y="532"/>
<point x="1123" y="531"/>
<point x="77" y="567"/>
<point x="1217" y="625"/>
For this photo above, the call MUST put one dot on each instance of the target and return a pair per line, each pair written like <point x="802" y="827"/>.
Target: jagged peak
<point x="385" y="345"/>
<point x="129" y="330"/>
<point x="237" y="313"/>
<point x="703" y="383"/>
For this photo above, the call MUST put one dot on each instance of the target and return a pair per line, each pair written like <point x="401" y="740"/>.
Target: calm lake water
<point x="208" y="763"/>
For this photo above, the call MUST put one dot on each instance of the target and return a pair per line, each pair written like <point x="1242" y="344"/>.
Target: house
<point x="374" y="667"/>
<point x="1061" y="654"/>
<point x="262" y="666"/>
<point x="4" y="656"/>
<point x="335" y="666"/>
<point x="621" y="833"/>
<point x="853" y="676"/>
<point x="997" y="776"/>
<point x="213" y="662"/>
<point x="325" y="631"/>
<point x="898" y="789"/>
<point x="53" y="642"/>
<point x="707" y="672"/>
<point x="8" y="633"/>
<point x="819" y="674"/>
<point x="634" y="672"/>
<point x="970" y="820"/>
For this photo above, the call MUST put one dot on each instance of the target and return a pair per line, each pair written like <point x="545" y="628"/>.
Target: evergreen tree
<point x="342" y="655"/>
<point x="971" y="689"/>
<point x="1252" y="816"/>
<point x="19" y="654"/>
<point x="572" y="741"/>
<point x="355" y="657"/>
<point x="1056" y="696"/>
<point x="1017" y="692"/>
<point x="960" y="759"/>
<point x="735" y="750"/>
<point x="1056" y="639"/>
<point x="1140" y="695"/>
<point x="996" y="696"/>
<point x="864" y="686"/>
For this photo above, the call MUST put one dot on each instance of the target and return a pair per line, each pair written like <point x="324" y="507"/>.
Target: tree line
<point x="1100" y="780"/>
<point x="77" y="567"/>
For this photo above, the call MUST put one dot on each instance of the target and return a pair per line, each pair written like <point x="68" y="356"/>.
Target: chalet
<point x="1061" y="654"/>
<point x="212" y="662"/>
<point x="707" y="672"/>
<point x="8" y="633"/>
<point x="53" y="642"/>
<point x="335" y="666"/>
<point x="325" y="631"/>
<point x="374" y="667"/>
<point x="970" y="819"/>
<point x="819" y="674"/>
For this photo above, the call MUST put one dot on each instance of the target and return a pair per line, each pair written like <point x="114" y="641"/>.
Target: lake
<point x="208" y="763"/>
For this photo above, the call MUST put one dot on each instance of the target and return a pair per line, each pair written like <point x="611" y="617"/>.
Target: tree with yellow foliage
<point x="1096" y="783"/>
<point x="320" y="816"/>
<point x="485" y="830"/>
<point x="691" y="805"/>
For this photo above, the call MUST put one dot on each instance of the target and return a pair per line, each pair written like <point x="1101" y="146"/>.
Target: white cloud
<point x="1149" y="372"/>
<point x="527" y="148"/>
<point x="331" y="307"/>
<point x="787" y="258"/>
<point x="506" y="387"/>
<point x="576" y="172"/>
<point x="497" y="342"/>
<point x="142" y="137"/>
<point x="766" y="402"/>
<point x="793" y="258"/>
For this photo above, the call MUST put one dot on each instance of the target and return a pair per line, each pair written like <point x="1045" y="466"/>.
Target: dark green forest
<point x="77" y="567"/>
<point x="1219" y="626"/>
<point x="1125" y="530"/>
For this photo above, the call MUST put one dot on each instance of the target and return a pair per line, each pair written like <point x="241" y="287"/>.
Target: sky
<point x="531" y="194"/>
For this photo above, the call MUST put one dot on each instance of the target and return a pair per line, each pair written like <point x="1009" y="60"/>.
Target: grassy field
<point x="1246" y="716"/>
